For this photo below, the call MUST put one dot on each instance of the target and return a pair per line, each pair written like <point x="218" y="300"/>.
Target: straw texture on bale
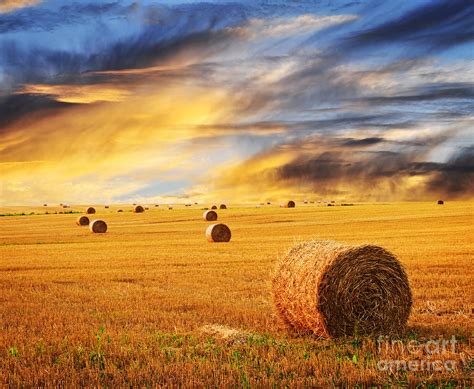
<point x="222" y="206"/>
<point x="98" y="226"/>
<point x="210" y="216"/>
<point x="218" y="233"/>
<point x="90" y="210"/>
<point x="214" y="207"/>
<point x="440" y="202"/>
<point x="335" y="290"/>
<point x="82" y="221"/>
<point x="138" y="209"/>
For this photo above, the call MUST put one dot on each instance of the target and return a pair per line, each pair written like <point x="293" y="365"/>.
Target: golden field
<point x="151" y="302"/>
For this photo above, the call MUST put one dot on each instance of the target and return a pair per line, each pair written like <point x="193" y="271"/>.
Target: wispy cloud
<point x="236" y="101"/>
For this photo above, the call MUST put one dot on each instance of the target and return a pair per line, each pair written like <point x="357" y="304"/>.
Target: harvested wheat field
<point x="151" y="302"/>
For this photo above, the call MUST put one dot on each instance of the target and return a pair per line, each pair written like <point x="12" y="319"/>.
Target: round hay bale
<point x="146" y="208"/>
<point x="98" y="226"/>
<point x="82" y="221"/>
<point x="290" y="204"/>
<point x="45" y="205"/>
<point x="120" y="210"/>
<point x="336" y="290"/>
<point x="157" y="205"/>
<point x="90" y="210"/>
<point x="440" y="202"/>
<point x="210" y="216"/>
<point x="218" y="233"/>
<point x="222" y="206"/>
<point x="138" y="209"/>
<point x="214" y="207"/>
<point x="106" y="207"/>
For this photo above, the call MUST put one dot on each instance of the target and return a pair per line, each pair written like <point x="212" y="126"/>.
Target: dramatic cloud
<point x="238" y="101"/>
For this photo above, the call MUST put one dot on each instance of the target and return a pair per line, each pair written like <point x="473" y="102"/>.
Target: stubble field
<point x="151" y="302"/>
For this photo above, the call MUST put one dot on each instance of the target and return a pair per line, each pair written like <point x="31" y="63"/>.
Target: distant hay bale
<point x="146" y="208"/>
<point x="120" y="210"/>
<point x="336" y="290"/>
<point x="90" y="210"/>
<point x="106" y="207"/>
<point x="210" y="216"/>
<point x="82" y="221"/>
<point x="330" y="205"/>
<point x="170" y="207"/>
<point x="222" y="206"/>
<point x="98" y="226"/>
<point x="269" y="203"/>
<point x="214" y="207"/>
<point x="218" y="233"/>
<point x="289" y="204"/>
<point x="157" y="205"/>
<point x="440" y="202"/>
<point x="45" y="205"/>
<point x="138" y="209"/>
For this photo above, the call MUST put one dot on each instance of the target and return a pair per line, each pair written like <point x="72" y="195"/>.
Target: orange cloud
<point x="10" y="5"/>
<point x="82" y="94"/>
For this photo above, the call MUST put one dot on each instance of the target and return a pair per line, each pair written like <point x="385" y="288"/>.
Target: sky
<point x="244" y="101"/>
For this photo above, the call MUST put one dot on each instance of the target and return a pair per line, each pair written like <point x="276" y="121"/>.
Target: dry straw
<point x="210" y="216"/>
<point x="336" y="290"/>
<point x="90" y="210"/>
<point x="82" y="221"/>
<point x="138" y="209"/>
<point x="98" y="226"/>
<point x="218" y="233"/>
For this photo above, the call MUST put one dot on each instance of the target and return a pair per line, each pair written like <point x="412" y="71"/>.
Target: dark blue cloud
<point x="432" y="25"/>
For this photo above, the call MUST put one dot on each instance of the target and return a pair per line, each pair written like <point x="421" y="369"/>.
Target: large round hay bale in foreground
<point x="98" y="226"/>
<point x="138" y="209"/>
<point x="90" y="210"/>
<point x="335" y="290"/>
<point x="210" y="216"/>
<point x="82" y="221"/>
<point x="222" y="206"/>
<point x="440" y="202"/>
<point x="218" y="233"/>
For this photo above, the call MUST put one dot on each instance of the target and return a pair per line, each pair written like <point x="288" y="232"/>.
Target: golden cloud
<point x="10" y="5"/>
